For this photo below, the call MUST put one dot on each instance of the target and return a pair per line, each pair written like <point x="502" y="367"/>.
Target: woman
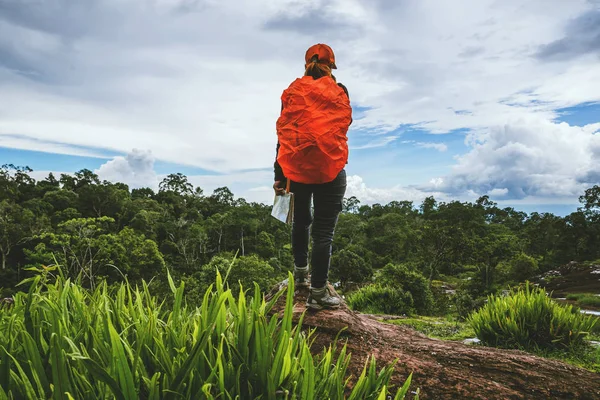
<point x="312" y="151"/>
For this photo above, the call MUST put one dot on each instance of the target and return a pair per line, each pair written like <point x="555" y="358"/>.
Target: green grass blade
<point x="124" y="373"/>
<point x="99" y="373"/>
<point x="60" y="376"/>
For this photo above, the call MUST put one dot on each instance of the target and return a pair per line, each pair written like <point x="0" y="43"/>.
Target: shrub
<point x="527" y="318"/>
<point x="585" y="299"/>
<point x="518" y="269"/>
<point x="242" y="270"/>
<point x="523" y="267"/>
<point x="378" y="299"/>
<point x="590" y="301"/>
<point x="411" y="281"/>
<point x="62" y="341"/>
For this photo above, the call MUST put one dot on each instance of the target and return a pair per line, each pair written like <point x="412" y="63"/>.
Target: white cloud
<point x="136" y="169"/>
<point x="378" y="142"/>
<point x="441" y="147"/>
<point x="252" y="185"/>
<point x="106" y="76"/>
<point x="17" y="142"/>
<point x="498" y="192"/>
<point x="367" y="195"/>
<point x="527" y="158"/>
<point x="41" y="175"/>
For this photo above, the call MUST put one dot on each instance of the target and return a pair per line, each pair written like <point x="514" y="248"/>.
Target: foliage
<point x="529" y="319"/>
<point x="464" y="303"/>
<point x="441" y="328"/>
<point x="241" y="272"/>
<point x="63" y="341"/>
<point x="16" y="227"/>
<point x="411" y="281"/>
<point x="480" y="240"/>
<point x="575" y="296"/>
<point x="587" y="357"/>
<point x="347" y="266"/>
<point x="378" y="299"/>
<point x="86" y="246"/>
<point x="590" y="301"/>
<point x="442" y="301"/>
<point x="585" y="299"/>
<point x="518" y="269"/>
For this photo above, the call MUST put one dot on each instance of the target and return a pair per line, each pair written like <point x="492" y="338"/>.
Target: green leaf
<point x="102" y="375"/>
<point x="124" y="374"/>
<point x="28" y="389"/>
<point x="60" y="375"/>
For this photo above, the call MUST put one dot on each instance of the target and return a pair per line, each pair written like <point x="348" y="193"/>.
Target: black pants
<point x="327" y="198"/>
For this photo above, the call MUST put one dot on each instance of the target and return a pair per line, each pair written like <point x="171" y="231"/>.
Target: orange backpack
<point x="312" y="130"/>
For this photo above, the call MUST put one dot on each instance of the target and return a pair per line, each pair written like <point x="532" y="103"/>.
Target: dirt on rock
<point x="442" y="369"/>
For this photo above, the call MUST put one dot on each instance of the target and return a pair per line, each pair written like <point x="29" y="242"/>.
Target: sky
<point x="451" y="100"/>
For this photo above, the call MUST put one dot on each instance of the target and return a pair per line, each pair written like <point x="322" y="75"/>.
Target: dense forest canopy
<point x="105" y="231"/>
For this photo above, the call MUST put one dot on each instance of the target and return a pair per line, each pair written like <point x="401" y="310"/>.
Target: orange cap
<point x="324" y="54"/>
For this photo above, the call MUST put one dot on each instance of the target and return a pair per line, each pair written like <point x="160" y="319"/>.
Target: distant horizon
<point x="560" y="210"/>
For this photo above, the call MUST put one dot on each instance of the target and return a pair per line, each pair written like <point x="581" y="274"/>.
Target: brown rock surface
<point x="444" y="369"/>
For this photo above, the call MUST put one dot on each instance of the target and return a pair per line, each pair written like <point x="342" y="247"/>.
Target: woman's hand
<point x="279" y="191"/>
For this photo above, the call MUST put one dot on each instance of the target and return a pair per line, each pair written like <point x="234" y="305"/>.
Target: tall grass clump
<point x="62" y="341"/>
<point x="378" y="299"/>
<point x="585" y="299"/>
<point x="590" y="301"/>
<point x="529" y="319"/>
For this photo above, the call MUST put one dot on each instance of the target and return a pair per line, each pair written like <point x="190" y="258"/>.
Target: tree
<point x="102" y="200"/>
<point x="48" y="184"/>
<point x="141" y="259"/>
<point x="217" y="225"/>
<point x="61" y="199"/>
<point x="79" y="179"/>
<point x="351" y="230"/>
<point x="189" y="243"/>
<point x="16" y="184"/>
<point x="17" y="226"/>
<point x="86" y="246"/>
<point x="177" y="183"/>
<point x="520" y="268"/>
<point x="428" y="206"/>
<point x="389" y="238"/>
<point x="81" y="246"/>
<point x="221" y="200"/>
<point x="142" y="193"/>
<point x="347" y="266"/>
<point x="591" y="200"/>
<point x="265" y="245"/>
<point x="542" y="235"/>
<point x="351" y="205"/>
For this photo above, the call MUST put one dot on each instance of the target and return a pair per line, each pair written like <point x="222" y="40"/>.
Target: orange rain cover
<point x="312" y="130"/>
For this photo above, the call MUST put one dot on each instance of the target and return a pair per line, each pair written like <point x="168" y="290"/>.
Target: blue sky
<point x="489" y="98"/>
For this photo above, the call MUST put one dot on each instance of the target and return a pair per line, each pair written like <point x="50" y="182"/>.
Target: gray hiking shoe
<point x="301" y="277"/>
<point x="321" y="298"/>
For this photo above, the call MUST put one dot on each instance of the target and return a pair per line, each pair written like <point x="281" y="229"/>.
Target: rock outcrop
<point x="443" y="369"/>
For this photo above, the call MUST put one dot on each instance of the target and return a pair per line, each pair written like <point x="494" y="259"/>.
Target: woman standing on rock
<point x="312" y="151"/>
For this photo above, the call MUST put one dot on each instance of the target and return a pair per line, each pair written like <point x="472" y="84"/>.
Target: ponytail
<point x="317" y="70"/>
